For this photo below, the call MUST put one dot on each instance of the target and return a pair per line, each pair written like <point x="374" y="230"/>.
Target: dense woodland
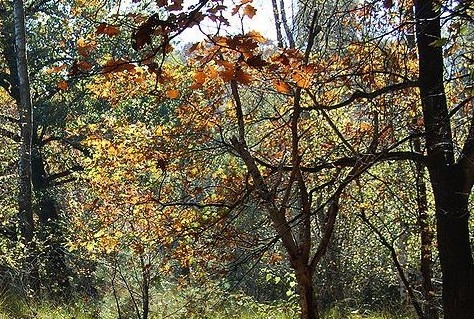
<point x="320" y="169"/>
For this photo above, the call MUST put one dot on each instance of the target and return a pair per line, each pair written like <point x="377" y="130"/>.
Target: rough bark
<point x="276" y="17"/>
<point x="49" y="229"/>
<point x="426" y="237"/>
<point x="25" y="196"/>
<point x="451" y="181"/>
<point x="308" y="304"/>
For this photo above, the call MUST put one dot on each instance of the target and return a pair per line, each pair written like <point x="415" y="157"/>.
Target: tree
<point x="25" y="196"/>
<point x="451" y="179"/>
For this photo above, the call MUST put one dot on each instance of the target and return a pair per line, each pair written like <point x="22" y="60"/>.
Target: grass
<point x="174" y="304"/>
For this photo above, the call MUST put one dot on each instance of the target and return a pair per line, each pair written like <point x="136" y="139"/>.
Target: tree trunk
<point x="451" y="182"/>
<point x="25" y="197"/>
<point x="308" y="303"/>
<point x="426" y="242"/>
<point x="49" y="230"/>
<point x="455" y="250"/>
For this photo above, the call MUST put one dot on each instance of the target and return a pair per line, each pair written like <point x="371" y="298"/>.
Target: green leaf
<point x="439" y="43"/>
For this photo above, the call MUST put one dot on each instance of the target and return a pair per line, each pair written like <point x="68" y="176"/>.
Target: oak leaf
<point x="281" y="86"/>
<point x="249" y="11"/>
<point x="107" y="29"/>
<point x="62" y="85"/>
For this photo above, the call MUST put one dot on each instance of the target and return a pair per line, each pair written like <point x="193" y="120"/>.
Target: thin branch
<point x="360" y="95"/>
<point x="351" y="161"/>
<point x="10" y="135"/>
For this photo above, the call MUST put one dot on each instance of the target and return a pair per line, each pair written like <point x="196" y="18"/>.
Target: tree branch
<point x="10" y="135"/>
<point x="360" y="95"/>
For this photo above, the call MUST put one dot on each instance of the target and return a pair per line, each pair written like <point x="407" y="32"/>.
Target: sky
<point x="262" y="22"/>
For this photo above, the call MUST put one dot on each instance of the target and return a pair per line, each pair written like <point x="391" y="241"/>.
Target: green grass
<point x="175" y="304"/>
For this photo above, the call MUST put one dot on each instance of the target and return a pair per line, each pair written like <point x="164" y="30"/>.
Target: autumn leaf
<point x="85" y="47"/>
<point x="107" y="29"/>
<point x="142" y="36"/>
<point x="236" y="9"/>
<point x="84" y="65"/>
<point x="242" y="77"/>
<point x="172" y="94"/>
<point x="249" y="11"/>
<point x="161" y="3"/>
<point x="256" y="36"/>
<point x="56" y="69"/>
<point x="200" y="77"/>
<point x="256" y="61"/>
<point x="281" y="86"/>
<point x="302" y="80"/>
<point x="62" y="85"/>
<point x="176" y="6"/>
<point x="119" y="65"/>
<point x="227" y="74"/>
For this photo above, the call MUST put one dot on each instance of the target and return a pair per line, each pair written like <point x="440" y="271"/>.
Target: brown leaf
<point x="249" y="11"/>
<point x="242" y="77"/>
<point x="177" y="5"/>
<point x="107" y="29"/>
<point x="161" y="3"/>
<point x="142" y="37"/>
<point x="256" y="61"/>
<point x="119" y="65"/>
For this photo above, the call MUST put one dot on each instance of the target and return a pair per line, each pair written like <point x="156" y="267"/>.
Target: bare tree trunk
<point x="25" y="198"/>
<point x="451" y="181"/>
<point x="308" y="302"/>
<point x="426" y="237"/>
<point x="276" y="16"/>
<point x="286" y="26"/>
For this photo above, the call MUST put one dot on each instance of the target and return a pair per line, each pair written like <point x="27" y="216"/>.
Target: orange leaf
<point x="256" y="36"/>
<point x="302" y="81"/>
<point x="62" y="85"/>
<point x="227" y="74"/>
<point x="200" y="77"/>
<point x="107" y="29"/>
<point x="172" y="94"/>
<point x="212" y="72"/>
<point x="281" y="86"/>
<point x="242" y="77"/>
<point x="249" y="11"/>
<point x="120" y="65"/>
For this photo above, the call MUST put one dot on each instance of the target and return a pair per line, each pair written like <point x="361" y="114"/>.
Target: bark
<point x="276" y="17"/>
<point x="307" y="300"/>
<point x="25" y="196"/>
<point x="426" y="237"/>
<point x="451" y="182"/>
<point x="286" y="27"/>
